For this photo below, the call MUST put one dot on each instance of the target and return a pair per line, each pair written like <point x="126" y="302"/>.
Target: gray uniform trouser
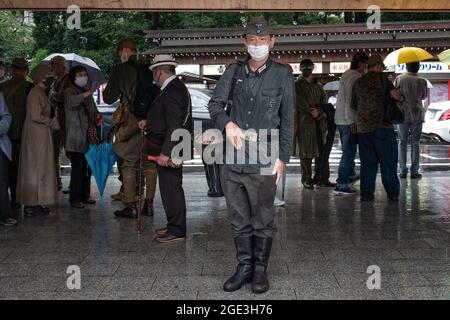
<point x="250" y="200"/>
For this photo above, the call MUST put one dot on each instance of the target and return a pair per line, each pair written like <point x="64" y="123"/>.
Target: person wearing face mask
<point x="262" y="91"/>
<point x="15" y="91"/>
<point x="60" y="82"/>
<point x="310" y="123"/>
<point x="36" y="183"/>
<point x="81" y="114"/>
<point x="128" y="82"/>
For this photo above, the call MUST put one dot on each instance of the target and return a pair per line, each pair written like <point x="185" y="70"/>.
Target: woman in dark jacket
<point x="81" y="117"/>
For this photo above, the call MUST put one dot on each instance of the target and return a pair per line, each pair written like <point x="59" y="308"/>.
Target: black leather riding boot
<point x="261" y="254"/>
<point x="244" y="270"/>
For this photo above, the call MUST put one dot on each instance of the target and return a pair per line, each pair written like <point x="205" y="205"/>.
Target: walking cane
<point x="141" y="165"/>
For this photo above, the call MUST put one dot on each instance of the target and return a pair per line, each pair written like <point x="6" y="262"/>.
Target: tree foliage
<point x="16" y="39"/>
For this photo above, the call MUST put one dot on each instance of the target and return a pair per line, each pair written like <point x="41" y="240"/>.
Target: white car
<point x="437" y="121"/>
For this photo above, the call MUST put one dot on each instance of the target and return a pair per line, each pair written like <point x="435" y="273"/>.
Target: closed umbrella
<point x="331" y="86"/>
<point x="93" y="70"/>
<point x="406" y="55"/>
<point x="444" y="56"/>
<point x="101" y="159"/>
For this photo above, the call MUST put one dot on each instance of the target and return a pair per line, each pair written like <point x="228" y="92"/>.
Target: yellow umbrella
<point x="444" y="56"/>
<point x="406" y="55"/>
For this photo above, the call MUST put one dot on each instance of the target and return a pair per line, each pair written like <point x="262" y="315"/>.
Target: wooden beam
<point x="229" y="5"/>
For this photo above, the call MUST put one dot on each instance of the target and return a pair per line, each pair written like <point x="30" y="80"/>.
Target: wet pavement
<point x="323" y="249"/>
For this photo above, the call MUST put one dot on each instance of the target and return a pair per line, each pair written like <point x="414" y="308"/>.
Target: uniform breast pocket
<point x="272" y="99"/>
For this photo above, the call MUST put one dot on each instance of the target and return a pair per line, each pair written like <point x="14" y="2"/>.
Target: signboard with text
<point x="318" y="68"/>
<point x="426" y="67"/>
<point x="339" y="67"/>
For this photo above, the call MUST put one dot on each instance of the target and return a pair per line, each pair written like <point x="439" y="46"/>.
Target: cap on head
<point x="360" y="57"/>
<point x="127" y="43"/>
<point x="258" y="27"/>
<point x="374" y="60"/>
<point x="58" y="60"/>
<point x="306" y="63"/>
<point x="19" y="63"/>
<point x="163" y="60"/>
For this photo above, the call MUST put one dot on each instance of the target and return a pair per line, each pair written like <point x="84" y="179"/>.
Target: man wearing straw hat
<point x="171" y="111"/>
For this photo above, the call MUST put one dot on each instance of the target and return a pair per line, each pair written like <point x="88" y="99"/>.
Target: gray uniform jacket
<point x="261" y="100"/>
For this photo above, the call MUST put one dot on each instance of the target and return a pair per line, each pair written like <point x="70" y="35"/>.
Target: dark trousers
<point x="347" y="164"/>
<point x="212" y="173"/>
<point x="80" y="178"/>
<point x="5" y="205"/>
<point x="323" y="169"/>
<point x="172" y="196"/>
<point x="250" y="200"/>
<point x="14" y="169"/>
<point x="378" y="148"/>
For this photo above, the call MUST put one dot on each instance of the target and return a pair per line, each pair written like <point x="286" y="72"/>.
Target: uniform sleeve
<point x="216" y="105"/>
<point x="174" y="114"/>
<point x="113" y="89"/>
<point x="5" y="116"/>
<point x="287" y="119"/>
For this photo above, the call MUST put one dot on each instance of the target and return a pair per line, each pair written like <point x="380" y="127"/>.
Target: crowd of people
<point x="57" y="112"/>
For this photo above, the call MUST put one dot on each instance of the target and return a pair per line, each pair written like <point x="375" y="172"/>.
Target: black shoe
<point x="367" y="199"/>
<point x="66" y="191"/>
<point x="416" y="176"/>
<point x="147" y="210"/>
<point x="244" y="270"/>
<point x="31" y="211"/>
<point x="89" y="201"/>
<point x="315" y="180"/>
<point x="129" y="212"/>
<point x="212" y="194"/>
<point x="44" y="210"/>
<point x="261" y="254"/>
<point x="403" y="175"/>
<point x="308" y="185"/>
<point x="393" y="198"/>
<point x="8" y="222"/>
<point x="327" y="184"/>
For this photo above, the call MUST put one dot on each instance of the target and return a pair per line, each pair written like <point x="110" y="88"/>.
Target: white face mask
<point x="81" y="81"/>
<point x="258" y="53"/>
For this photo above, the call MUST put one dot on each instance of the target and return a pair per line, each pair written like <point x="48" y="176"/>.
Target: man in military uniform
<point x="376" y="139"/>
<point x="60" y="69"/>
<point x="311" y="123"/>
<point x="15" y="92"/>
<point x="263" y="99"/>
<point x="123" y="85"/>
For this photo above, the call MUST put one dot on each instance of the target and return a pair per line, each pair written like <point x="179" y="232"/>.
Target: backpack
<point x="146" y="90"/>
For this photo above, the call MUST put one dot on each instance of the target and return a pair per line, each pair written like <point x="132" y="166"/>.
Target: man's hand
<point x="234" y="134"/>
<point x="314" y="112"/>
<point x="279" y="170"/>
<point x="142" y="124"/>
<point x="395" y="94"/>
<point x="353" y="128"/>
<point x="162" y="160"/>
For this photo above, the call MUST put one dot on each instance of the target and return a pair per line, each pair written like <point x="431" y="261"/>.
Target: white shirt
<point x="166" y="83"/>
<point x="345" y="115"/>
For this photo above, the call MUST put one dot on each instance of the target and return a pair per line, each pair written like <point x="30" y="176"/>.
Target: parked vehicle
<point x="437" y="121"/>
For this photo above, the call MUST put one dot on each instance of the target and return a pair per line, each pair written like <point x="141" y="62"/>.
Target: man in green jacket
<point x="15" y="91"/>
<point x="123" y="85"/>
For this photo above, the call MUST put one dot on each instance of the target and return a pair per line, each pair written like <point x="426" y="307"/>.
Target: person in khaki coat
<point x="310" y="122"/>
<point x="37" y="186"/>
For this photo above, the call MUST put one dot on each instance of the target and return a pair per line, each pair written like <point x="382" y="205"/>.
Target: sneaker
<point x="367" y="199"/>
<point x="168" y="238"/>
<point x="308" y="185"/>
<point x="344" y="191"/>
<point x="416" y="176"/>
<point x="354" y="179"/>
<point x="162" y="231"/>
<point x="8" y="222"/>
<point x="403" y="175"/>
<point x="130" y="212"/>
<point x="278" y="202"/>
